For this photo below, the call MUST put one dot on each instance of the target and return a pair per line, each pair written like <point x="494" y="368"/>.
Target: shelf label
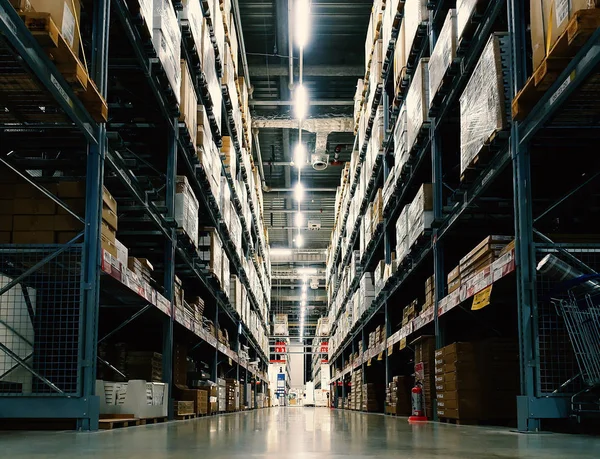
<point x="562" y="88"/>
<point x="482" y="299"/>
<point x="390" y="350"/>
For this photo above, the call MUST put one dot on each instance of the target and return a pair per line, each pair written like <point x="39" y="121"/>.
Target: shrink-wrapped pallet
<point x="415" y="14"/>
<point x="443" y="54"/>
<point x="420" y="213"/>
<point x="417" y="103"/>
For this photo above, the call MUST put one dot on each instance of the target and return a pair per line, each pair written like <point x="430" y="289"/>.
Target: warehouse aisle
<point x="298" y="433"/>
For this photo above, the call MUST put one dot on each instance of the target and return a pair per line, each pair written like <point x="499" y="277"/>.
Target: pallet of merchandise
<point x="112" y="421"/>
<point x="580" y="28"/>
<point x="46" y="33"/>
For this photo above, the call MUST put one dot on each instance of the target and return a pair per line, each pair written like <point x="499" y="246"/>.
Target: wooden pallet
<point x="46" y="33"/>
<point x="482" y="158"/>
<point x="184" y="417"/>
<point x="155" y="420"/>
<point x="113" y="421"/>
<point x="580" y="28"/>
<point x="460" y="422"/>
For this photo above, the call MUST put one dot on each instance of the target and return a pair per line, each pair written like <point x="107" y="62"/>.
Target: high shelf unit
<point x="69" y="298"/>
<point x="524" y="183"/>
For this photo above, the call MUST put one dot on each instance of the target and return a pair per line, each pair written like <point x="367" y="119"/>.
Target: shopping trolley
<point x="581" y="315"/>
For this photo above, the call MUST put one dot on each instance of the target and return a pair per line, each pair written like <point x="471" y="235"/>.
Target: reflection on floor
<point x="301" y="433"/>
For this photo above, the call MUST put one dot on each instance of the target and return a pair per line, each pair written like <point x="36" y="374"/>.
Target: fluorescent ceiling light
<point x="302" y="22"/>
<point x="303" y="296"/>
<point x="307" y="270"/>
<point x="304" y="288"/>
<point x="299" y="219"/>
<point x="300" y="102"/>
<point x="299" y="156"/>
<point x="299" y="241"/>
<point x="299" y="192"/>
<point x="281" y="251"/>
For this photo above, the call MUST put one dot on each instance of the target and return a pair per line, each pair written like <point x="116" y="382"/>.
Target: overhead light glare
<point x="302" y="22"/>
<point x="299" y="192"/>
<point x="299" y="241"/>
<point x="300" y="102"/>
<point x="299" y="219"/>
<point x="281" y="251"/>
<point x="299" y="156"/>
<point x="307" y="270"/>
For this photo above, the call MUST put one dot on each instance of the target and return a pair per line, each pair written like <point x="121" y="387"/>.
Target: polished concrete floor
<point x="307" y="433"/>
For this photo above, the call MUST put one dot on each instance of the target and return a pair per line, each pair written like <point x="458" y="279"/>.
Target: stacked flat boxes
<point x="458" y="384"/>
<point x="370" y="397"/>
<point x="476" y="381"/>
<point x="198" y="397"/>
<point x="425" y="370"/>
<point x="398" y="398"/>
<point x="420" y="213"/>
<point x="429" y="293"/>
<point x="210" y="251"/>
<point x="166" y="37"/>
<point x="454" y="279"/>
<point x="482" y="256"/>
<point x="142" y="365"/>
<point x="221" y="395"/>
<point x="184" y="408"/>
<point x="356" y="394"/>
<point x="232" y="395"/>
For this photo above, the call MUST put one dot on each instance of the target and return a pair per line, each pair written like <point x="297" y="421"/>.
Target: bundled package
<point x="401" y="152"/>
<point x="415" y="14"/>
<point x="225" y="274"/>
<point x="210" y="250"/>
<point x="417" y="103"/>
<point x="225" y="202"/>
<point x="358" y="96"/>
<point x="443" y="54"/>
<point x="420" y="213"/>
<point x="402" y="234"/>
<point x="210" y="72"/>
<point x="188" y="103"/>
<point x="399" y="57"/>
<point x="166" y="37"/>
<point x="186" y="209"/>
<point x="482" y="104"/>
<point x="192" y="15"/>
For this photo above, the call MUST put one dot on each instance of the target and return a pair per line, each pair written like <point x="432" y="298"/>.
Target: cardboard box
<point x="66" y="15"/>
<point x="33" y="223"/>
<point x="108" y="200"/>
<point x="417" y="103"/>
<point x="33" y="206"/>
<point x="67" y="222"/>
<point x="108" y="245"/>
<point x="443" y="53"/>
<point x="33" y="237"/>
<point x="77" y="205"/>
<point x="62" y="237"/>
<point x="108" y="233"/>
<point x="71" y="189"/>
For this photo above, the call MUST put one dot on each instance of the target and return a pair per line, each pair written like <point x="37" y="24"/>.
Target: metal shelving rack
<point x="510" y="165"/>
<point x="106" y="297"/>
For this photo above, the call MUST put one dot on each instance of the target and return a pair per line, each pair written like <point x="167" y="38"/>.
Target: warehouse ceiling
<point x="333" y="61"/>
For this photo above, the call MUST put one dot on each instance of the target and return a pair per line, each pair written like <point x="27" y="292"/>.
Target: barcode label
<point x="562" y="11"/>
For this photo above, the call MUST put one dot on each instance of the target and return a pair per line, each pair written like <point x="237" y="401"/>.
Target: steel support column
<point x="169" y="274"/>
<point x="93" y="217"/>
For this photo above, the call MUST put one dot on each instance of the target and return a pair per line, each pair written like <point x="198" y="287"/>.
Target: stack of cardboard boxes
<point x="184" y="408"/>
<point x="232" y="390"/>
<point x="141" y="267"/>
<point x="429" y="293"/>
<point x="186" y="209"/>
<point x="210" y="251"/>
<point x="454" y="280"/>
<point x="425" y="370"/>
<point x="476" y="381"/>
<point x="166" y="37"/>
<point x="417" y="103"/>
<point x="420" y="213"/>
<point x="188" y="105"/>
<point x="142" y="365"/>
<point x="356" y="394"/>
<point x="480" y="257"/>
<point x="370" y="397"/>
<point x="398" y="399"/>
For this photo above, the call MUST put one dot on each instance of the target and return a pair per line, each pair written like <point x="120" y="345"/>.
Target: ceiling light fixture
<point x="302" y="22"/>
<point x="281" y="251"/>
<point x="307" y="270"/>
<point x="300" y="102"/>
<point x="299" y="192"/>
<point x="299" y="241"/>
<point x="299" y="156"/>
<point x="299" y="219"/>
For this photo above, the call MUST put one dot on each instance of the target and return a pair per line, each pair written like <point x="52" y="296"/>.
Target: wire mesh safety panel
<point x="40" y="298"/>
<point x="558" y="368"/>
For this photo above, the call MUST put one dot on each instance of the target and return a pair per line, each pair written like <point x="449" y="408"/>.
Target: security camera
<point x="319" y="161"/>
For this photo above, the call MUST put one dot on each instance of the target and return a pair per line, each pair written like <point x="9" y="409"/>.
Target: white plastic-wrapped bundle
<point x="415" y="13"/>
<point x="400" y="141"/>
<point x="192" y="14"/>
<point x="391" y="8"/>
<point x="482" y="109"/>
<point x="188" y="103"/>
<point x="166" y="37"/>
<point x="210" y="72"/>
<point x="402" y="234"/>
<point x="417" y="103"/>
<point x="360" y="87"/>
<point x="186" y="209"/>
<point x="443" y="54"/>
<point x="420" y="213"/>
<point x="399" y="56"/>
<point x="465" y="9"/>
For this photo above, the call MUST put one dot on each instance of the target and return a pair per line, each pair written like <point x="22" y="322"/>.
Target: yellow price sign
<point x="390" y="350"/>
<point x="380" y="356"/>
<point x="369" y="363"/>
<point x="482" y="299"/>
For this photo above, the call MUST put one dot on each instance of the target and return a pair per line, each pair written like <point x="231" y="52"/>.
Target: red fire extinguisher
<point x="418" y="408"/>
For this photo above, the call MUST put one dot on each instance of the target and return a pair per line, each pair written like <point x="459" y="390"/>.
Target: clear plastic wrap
<point x="192" y="13"/>
<point x="358" y="95"/>
<point x="420" y="213"/>
<point x="400" y="141"/>
<point x="225" y="276"/>
<point x="166" y="37"/>
<point x="417" y="103"/>
<point x="399" y="56"/>
<point x="402" y="234"/>
<point x="210" y="72"/>
<point x="482" y="105"/>
<point x="188" y="104"/>
<point x="443" y="53"/>
<point x="186" y="209"/>
<point x="415" y="13"/>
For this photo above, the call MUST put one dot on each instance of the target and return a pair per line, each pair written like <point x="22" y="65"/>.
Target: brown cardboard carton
<point x="108" y="200"/>
<point x="77" y="205"/>
<point x="108" y="245"/>
<point x="65" y="236"/>
<point x="108" y="233"/>
<point x="34" y="206"/>
<point x="33" y="222"/>
<point x="71" y="190"/>
<point x="26" y="190"/>
<point x="66" y="15"/>
<point x="110" y="218"/>
<point x="33" y="237"/>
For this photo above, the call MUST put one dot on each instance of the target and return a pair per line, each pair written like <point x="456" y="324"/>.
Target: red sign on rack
<point x="280" y="347"/>
<point x="324" y="347"/>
